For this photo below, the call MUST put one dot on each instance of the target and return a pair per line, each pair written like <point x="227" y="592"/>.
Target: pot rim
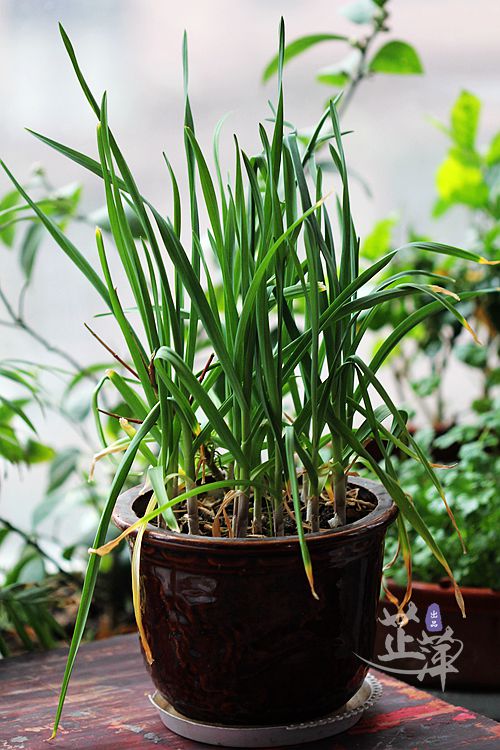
<point x="381" y="516"/>
<point x="445" y="590"/>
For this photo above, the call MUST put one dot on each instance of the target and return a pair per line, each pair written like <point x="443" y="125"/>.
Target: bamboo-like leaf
<point x="198" y="299"/>
<point x="373" y="380"/>
<point x="64" y="243"/>
<point x="454" y="252"/>
<point x="93" y="564"/>
<point x="208" y="190"/>
<point x="137" y="593"/>
<point x="157" y="479"/>
<point x="122" y="234"/>
<point x="405" y="505"/>
<point x="206" y="404"/>
<point x="12" y="406"/>
<point x="134" y="345"/>
<point x="137" y="405"/>
<point x="130" y="431"/>
<point x="403" y="328"/>
<point x="92" y="165"/>
<point x="260" y="277"/>
<point x="292" y="477"/>
<point x="95" y="409"/>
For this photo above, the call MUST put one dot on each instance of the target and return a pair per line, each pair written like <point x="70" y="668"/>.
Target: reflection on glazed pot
<point x="234" y="631"/>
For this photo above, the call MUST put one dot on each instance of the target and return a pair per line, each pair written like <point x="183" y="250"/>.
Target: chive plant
<point x="251" y="391"/>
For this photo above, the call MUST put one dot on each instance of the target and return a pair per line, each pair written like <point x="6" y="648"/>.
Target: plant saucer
<point x="271" y="736"/>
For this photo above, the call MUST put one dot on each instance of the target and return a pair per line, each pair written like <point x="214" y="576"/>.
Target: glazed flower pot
<point x="235" y="634"/>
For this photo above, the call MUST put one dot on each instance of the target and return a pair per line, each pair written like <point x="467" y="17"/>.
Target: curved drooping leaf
<point x="94" y="561"/>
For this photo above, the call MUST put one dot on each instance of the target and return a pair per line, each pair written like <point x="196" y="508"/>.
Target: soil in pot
<point x="214" y="522"/>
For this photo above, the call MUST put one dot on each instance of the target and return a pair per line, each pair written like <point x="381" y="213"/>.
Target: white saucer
<point x="275" y="736"/>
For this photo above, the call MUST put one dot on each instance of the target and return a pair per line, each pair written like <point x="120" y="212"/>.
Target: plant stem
<point x="313" y="512"/>
<point x="119" y="416"/>
<point x="305" y="498"/>
<point x="113" y="353"/>
<point x="18" y="321"/>
<point x="340" y="482"/>
<point x="312" y="505"/>
<point x="241" y="510"/>
<point x="241" y="503"/>
<point x="363" y="45"/>
<point x="257" y="512"/>
<point x="278" y="517"/>
<point x="189" y="468"/>
<point x="339" y="490"/>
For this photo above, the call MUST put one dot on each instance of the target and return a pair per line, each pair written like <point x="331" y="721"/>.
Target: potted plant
<point x="256" y="550"/>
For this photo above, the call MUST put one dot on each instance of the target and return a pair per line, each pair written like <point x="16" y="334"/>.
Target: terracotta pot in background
<point x="478" y="664"/>
<point x="447" y="455"/>
<point x="235" y="633"/>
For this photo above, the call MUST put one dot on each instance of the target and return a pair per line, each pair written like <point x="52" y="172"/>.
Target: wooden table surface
<point x="107" y="709"/>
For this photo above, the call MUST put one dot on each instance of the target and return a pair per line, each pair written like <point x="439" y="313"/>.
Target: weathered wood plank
<point x="107" y="709"/>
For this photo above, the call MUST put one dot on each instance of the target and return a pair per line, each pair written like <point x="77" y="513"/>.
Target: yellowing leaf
<point x="447" y="292"/>
<point x="137" y="592"/>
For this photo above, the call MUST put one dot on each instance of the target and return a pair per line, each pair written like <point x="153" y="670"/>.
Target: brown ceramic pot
<point x="235" y="633"/>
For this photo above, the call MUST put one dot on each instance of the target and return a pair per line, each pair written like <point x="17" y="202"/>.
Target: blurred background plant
<point x="360" y="61"/>
<point x="467" y="179"/>
<point x="40" y="585"/>
<point x="471" y="486"/>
